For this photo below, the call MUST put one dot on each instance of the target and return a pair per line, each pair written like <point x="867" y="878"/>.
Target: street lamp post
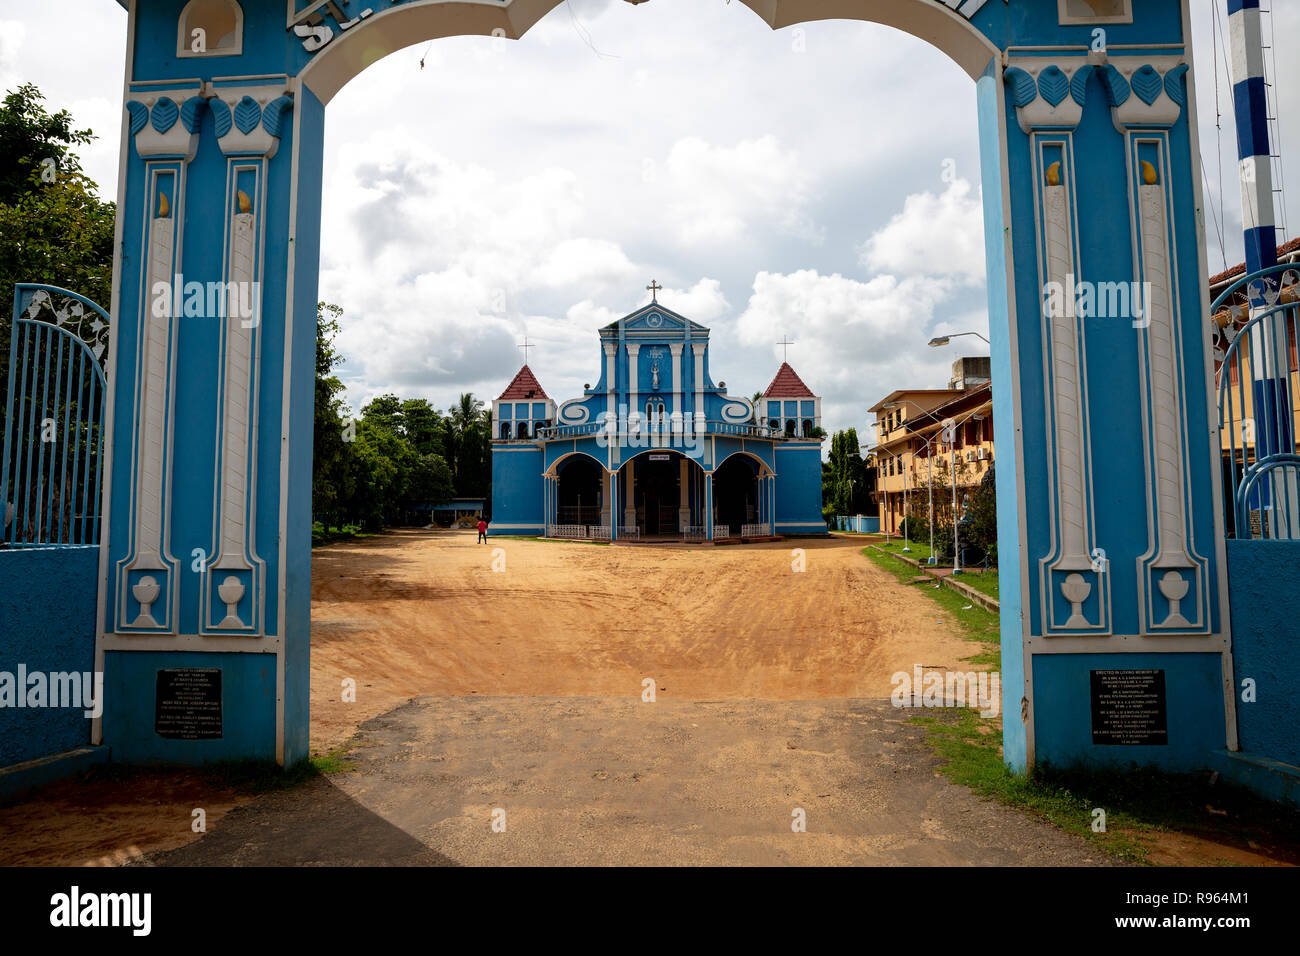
<point x="907" y="549"/>
<point x="952" y="461"/>
<point x="941" y="340"/>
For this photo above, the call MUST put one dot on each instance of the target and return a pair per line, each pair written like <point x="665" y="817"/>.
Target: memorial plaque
<point x="1128" y="707"/>
<point x="187" y="705"/>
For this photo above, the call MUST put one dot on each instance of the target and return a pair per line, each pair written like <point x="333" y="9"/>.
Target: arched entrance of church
<point x="738" y="493"/>
<point x="658" y="493"/>
<point x="1089" y="175"/>
<point x="580" y="491"/>
<point x="662" y="496"/>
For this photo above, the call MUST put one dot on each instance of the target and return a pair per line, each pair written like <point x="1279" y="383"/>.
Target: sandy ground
<point x="612" y="781"/>
<point x="425" y="613"/>
<point x="511" y="674"/>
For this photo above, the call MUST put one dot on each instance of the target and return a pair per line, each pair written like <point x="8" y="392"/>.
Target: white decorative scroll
<point x="237" y="407"/>
<point x="234" y="568"/>
<point x="1067" y="397"/>
<point x="1166" y="407"/>
<point x="149" y="546"/>
<point x="153" y="400"/>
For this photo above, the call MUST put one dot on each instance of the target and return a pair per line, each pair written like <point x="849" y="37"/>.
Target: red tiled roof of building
<point x="1240" y="269"/>
<point x="524" y="385"/>
<point x="787" y="384"/>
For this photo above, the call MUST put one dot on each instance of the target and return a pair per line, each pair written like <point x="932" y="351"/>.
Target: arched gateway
<point x="1112" y="554"/>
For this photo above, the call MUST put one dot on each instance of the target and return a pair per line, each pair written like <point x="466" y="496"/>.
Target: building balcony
<point x="655" y="429"/>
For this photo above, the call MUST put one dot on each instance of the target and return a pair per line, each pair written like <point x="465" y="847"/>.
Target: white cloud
<point x="721" y="193"/>
<point x="852" y="338"/>
<point x="934" y="235"/>
<point x="584" y="260"/>
<point x="704" y="302"/>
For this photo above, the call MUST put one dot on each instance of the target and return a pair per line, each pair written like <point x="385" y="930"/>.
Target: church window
<point x="522" y="430"/>
<point x="211" y="28"/>
<point x="505" y="429"/>
<point x="789" y="428"/>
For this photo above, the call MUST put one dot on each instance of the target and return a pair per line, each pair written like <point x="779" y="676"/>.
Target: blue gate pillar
<point x="1110" y="538"/>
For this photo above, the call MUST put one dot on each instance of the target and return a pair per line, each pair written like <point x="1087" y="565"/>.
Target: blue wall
<point x="47" y="622"/>
<point x="799" y="488"/>
<point x="1266" y="645"/>
<point x="247" y="703"/>
<point x="517" y="506"/>
<point x="1063" y="714"/>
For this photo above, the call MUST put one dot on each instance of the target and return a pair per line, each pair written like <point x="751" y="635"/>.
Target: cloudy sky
<point x="776" y="184"/>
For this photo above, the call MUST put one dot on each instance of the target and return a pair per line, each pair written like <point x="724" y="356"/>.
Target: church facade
<point x="655" y="449"/>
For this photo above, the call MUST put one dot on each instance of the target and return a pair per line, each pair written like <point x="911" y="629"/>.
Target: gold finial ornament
<point x="164" y="207"/>
<point x="1149" y="175"/>
<point x="1054" y="174"/>
<point x="245" y="204"/>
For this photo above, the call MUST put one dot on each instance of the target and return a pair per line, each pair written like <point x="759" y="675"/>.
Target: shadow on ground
<point x="617" y="781"/>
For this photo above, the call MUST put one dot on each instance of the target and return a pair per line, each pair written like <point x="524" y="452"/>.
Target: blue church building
<point x="656" y="450"/>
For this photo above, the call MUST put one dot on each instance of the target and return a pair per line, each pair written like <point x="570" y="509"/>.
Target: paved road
<point x="618" y="781"/>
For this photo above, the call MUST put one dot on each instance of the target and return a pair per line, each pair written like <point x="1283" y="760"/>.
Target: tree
<point x="53" y="227"/>
<point x="29" y="136"/>
<point x="331" y="483"/>
<point x="980" y="523"/>
<point x="468" y="441"/>
<point x="844" y="477"/>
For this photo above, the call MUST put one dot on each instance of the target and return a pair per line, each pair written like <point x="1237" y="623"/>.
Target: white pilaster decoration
<point x="676" y="349"/>
<point x="166" y="134"/>
<point x="1170" y="565"/>
<point x="697" y="349"/>
<point x="634" y="408"/>
<point x="611" y="409"/>
<point x="1067" y="428"/>
<point x="1049" y="105"/>
<point x="247" y="121"/>
<point x="1147" y="99"/>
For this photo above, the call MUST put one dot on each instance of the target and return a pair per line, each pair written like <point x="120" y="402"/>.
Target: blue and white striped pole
<point x="1250" y="105"/>
<point x="1268" y="345"/>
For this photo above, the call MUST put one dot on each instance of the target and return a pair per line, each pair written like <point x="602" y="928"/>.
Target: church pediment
<point x="655" y="318"/>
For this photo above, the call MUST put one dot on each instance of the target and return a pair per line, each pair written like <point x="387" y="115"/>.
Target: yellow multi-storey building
<point x="926" y="435"/>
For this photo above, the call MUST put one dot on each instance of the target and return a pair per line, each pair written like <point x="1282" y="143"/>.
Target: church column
<point x="606" y="504"/>
<point x="613" y="505"/>
<point x="684" y="500"/>
<point x="611" y="379"/>
<point x="771" y="504"/>
<point x="708" y="506"/>
<point x="629" y="497"/>
<point x="697" y="349"/>
<point x="632" y="404"/>
<point x="676" y="349"/>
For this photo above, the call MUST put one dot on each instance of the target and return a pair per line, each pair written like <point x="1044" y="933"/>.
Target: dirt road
<point x="601" y="781"/>
<point x="425" y="613"/>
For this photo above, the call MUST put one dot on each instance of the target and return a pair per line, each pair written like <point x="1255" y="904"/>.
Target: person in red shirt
<point x="482" y="531"/>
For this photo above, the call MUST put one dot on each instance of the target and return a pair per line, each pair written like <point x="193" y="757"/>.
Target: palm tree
<point x="467" y="414"/>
